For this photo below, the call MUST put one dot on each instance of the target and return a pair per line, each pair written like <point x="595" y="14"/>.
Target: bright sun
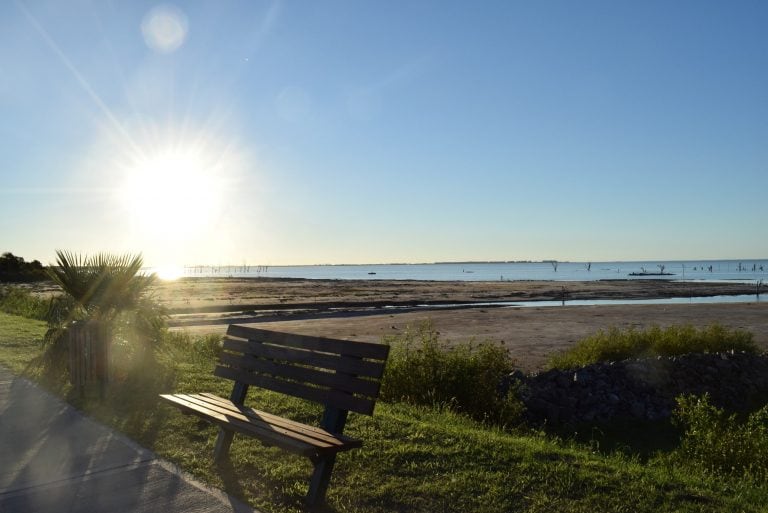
<point x="172" y="193"/>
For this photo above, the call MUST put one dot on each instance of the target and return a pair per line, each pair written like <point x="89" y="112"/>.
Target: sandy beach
<point x="352" y="309"/>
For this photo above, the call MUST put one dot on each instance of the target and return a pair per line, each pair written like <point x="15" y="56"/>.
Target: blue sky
<point x="360" y="131"/>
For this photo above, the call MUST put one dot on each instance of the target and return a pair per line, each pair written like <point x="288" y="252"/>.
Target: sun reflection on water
<point x="169" y="272"/>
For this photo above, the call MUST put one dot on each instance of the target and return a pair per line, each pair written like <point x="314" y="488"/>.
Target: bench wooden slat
<point x="343" y="382"/>
<point x="245" y="427"/>
<point x="322" y="442"/>
<point x="318" y="395"/>
<point x="307" y="430"/>
<point x="269" y="416"/>
<point x="328" y="345"/>
<point x="260" y="424"/>
<point x="300" y="356"/>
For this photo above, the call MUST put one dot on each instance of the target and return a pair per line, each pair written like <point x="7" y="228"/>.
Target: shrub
<point x="204" y="346"/>
<point x="721" y="444"/>
<point x="17" y="301"/>
<point x="465" y="378"/>
<point x="615" y="344"/>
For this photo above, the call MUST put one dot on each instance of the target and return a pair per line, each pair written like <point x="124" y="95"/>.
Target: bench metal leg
<point x="320" y="479"/>
<point x="333" y="420"/>
<point x="223" y="441"/>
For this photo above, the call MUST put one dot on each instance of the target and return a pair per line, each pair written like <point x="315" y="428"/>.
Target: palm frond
<point x="103" y="284"/>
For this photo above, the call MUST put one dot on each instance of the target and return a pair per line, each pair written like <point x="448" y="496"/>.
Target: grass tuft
<point x="18" y="301"/>
<point x="722" y="444"/>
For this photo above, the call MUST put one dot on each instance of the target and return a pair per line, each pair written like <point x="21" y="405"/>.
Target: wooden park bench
<point x="343" y="375"/>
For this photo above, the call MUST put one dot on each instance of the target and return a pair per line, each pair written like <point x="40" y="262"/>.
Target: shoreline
<point x="212" y="295"/>
<point x="353" y="309"/>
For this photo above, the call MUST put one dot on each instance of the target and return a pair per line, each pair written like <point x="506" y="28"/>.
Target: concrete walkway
<point x="54" y="459"/>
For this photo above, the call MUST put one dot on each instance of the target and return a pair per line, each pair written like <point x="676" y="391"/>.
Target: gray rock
<point x="637" y="410"/>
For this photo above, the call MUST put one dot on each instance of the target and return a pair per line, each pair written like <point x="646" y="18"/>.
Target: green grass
<point x="616" y="345"/>
<point x="415" y="458"/>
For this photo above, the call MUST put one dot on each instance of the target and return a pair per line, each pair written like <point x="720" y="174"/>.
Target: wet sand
<point x="190" y="295"/>
<point x="530" y="334"/>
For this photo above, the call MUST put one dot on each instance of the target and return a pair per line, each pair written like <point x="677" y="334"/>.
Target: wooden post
<point x="89" y="348"/>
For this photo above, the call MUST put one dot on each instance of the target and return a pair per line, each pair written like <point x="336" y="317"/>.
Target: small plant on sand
<point x="616" y="344"/>
<point x="464" y="377"/>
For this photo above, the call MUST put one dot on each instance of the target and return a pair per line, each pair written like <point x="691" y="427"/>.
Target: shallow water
<point x="692" y="270"/>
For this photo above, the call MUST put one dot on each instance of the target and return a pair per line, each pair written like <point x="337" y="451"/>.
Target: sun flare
<point x="173" y="192"/>
<point x="177" y="193"/>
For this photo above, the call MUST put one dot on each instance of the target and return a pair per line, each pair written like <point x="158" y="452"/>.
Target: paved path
<point x="54" y="459"/>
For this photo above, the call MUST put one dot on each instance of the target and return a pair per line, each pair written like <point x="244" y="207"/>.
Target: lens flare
<point x="164" y="29"/>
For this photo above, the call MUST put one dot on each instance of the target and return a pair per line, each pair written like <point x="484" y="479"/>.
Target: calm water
<point x="709" y="270"/>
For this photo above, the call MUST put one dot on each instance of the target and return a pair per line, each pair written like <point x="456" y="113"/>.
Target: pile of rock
<point x="643" y="389"/>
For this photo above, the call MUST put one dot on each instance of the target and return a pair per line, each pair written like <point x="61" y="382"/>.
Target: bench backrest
<point x="341" y="374"/>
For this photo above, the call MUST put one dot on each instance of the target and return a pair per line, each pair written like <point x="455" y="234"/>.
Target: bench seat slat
<point x="285" y="429"/>
<point x="328" y="345"/>
<point x="320" y="439"/>
<point x="287" y="435"/>
<point x="241" y="426"/>
<point x="307" y="430"/>
<point x="303" y="357"/>
<point x="318" y="395"/>
<point x="343" y="382"/>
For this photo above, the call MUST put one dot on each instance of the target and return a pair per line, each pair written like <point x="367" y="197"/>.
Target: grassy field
<point x="414" y="458"/>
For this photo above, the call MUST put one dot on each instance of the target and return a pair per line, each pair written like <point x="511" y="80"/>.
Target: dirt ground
<point x="530" y="334"/>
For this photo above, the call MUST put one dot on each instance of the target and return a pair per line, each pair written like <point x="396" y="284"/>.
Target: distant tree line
<point x="14" y="269"/>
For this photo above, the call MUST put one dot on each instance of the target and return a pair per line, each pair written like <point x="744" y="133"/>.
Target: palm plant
<point x="102" y="286"/>
<point x="109" y="290"/>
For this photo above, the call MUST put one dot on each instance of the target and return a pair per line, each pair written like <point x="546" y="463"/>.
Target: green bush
<point x="721" y="444"/>
<point x="464" y="378"/>
<point x="615" y="344"/>
<point x="18" y="301"/>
